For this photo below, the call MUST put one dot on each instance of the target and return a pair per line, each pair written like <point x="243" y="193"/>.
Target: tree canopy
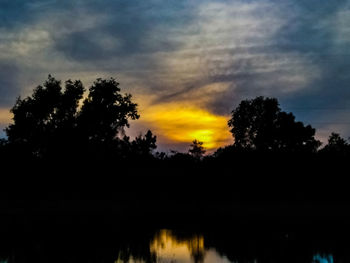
<point x="68" y="120"/>
<point x="51" y="120"/>
<point x="196" y="149"/>
<point x="336" y="145"/>
<point x="42" y="120"/>
<point x="106" y="112"/>
<point x="260" y="124"/>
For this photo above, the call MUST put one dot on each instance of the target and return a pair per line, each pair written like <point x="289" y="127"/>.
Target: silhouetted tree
<point x="144" y="145"/>
<point x="336" y="145"/>
<point x="180" y="158"/>
<point x="49" y="123"/>
<point x="197" y="150"/>
<point x="259" y="124"/>
<point x="106" y="112"/>
<point x="104" y="115"/>
<point x="3" y="144"/>
<point x="161" y="156"/>
<point x="226" y="151"/>
<point x="46" y="119"/>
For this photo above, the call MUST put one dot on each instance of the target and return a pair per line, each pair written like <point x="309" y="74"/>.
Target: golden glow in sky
<point x="182" y="123"/>
<point x="5" y="116"/>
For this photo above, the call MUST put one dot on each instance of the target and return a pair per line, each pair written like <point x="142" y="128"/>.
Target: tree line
<point x="58" y="122"/>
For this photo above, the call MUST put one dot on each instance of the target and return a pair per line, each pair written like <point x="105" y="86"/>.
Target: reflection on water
<point x="166" y="246"/>
<point x="323" y="259"/>
<point x="169" y="248"/>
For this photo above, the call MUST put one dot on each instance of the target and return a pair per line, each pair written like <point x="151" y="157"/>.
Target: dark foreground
<point x="101" y="238"/>
<point x="262" y="210"/>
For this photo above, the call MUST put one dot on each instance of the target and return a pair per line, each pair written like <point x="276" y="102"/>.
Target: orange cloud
<point x="5" y="116"/>
<point x="182" y="123"/>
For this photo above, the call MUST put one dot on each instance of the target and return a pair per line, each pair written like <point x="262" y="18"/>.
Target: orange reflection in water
<point x="168" y="248"/>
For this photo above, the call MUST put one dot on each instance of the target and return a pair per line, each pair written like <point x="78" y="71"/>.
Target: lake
<point x="238" y="245"/>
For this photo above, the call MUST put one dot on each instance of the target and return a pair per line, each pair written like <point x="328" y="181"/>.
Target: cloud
<point x="121" y="30"/>
<point x="5" y="119"/>
<point x="233" y="44"/>
<point x="209" y="54"/>
<point x="8" y="83"/>
<point x="182" y="123"/>
<point x="5" y="116"/>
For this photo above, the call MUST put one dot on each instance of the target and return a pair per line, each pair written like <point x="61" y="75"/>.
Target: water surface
<point x="174" y="246"/>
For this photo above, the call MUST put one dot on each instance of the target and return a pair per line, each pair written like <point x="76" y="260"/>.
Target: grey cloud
<point x="128" y="29"/>
<point x="9" y="89"/>
<point x="282" y="48"/>
<point x="306" y="35"/>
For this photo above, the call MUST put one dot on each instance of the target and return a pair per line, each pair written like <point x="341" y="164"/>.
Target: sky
<point x="187" y="63"/>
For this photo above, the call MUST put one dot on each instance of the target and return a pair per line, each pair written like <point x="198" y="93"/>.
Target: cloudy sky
<point x="188" y="63"/>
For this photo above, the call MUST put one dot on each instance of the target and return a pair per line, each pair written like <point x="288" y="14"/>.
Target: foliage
<point x="56" y="121"/>
<point x="259" y="124"/>
<point x="47" y="118"/>
<point x="197" y="150"/>
<point x="336" y="145"/>
<point x="144" y="145"/>
<point x="50" y="123"/>
<point x="105" y="111"/>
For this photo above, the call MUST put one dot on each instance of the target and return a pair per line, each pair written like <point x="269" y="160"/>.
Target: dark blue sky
<point x="204" y="53"/>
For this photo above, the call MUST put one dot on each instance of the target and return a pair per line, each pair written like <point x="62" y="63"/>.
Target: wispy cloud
<point x="208" y="54"/>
